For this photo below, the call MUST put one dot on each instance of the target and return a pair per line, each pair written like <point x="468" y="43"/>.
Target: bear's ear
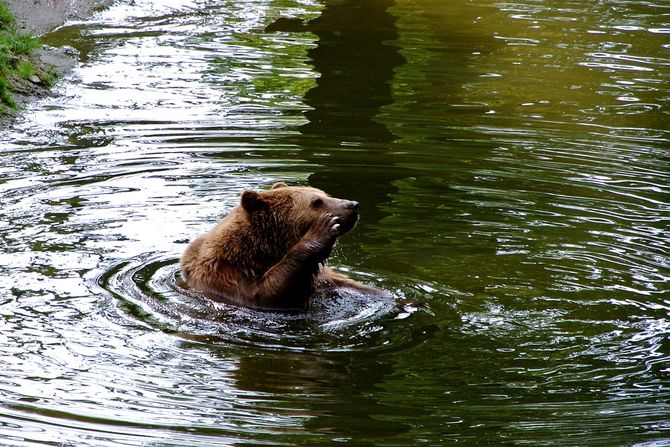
<point x="279" y="185"/>
<point x="252" y="201"/>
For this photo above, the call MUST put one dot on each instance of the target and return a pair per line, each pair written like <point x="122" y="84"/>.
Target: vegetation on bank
<point x="16" y="65"/>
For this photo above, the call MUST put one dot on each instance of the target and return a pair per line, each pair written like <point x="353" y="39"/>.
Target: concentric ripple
<point x="151" y="291"/>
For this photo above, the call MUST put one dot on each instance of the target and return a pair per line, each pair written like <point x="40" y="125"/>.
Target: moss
<point x="15" y="48"/>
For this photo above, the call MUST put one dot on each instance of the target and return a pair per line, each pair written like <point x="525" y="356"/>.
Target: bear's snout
<point x="348" y="218"/>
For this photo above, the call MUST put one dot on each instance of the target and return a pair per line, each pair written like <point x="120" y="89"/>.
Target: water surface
<point x="511" y="159"/>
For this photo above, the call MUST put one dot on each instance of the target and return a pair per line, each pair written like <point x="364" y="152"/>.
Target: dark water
<point x="512" y="162"/>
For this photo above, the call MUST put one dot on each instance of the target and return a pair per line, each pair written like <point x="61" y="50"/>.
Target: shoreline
<point x="37" y="18"/>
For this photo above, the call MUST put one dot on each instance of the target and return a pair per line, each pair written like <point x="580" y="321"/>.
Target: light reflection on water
<point x="511" y="161"/>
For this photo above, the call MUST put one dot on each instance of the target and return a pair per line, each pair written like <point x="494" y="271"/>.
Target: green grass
<point x="25" y="69"/>
<point x="6" y="17"/>
<point x="5" y="94"/>
<point x="15" y="47"/>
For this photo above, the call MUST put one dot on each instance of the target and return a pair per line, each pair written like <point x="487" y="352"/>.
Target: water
<point x="511" y="159"/>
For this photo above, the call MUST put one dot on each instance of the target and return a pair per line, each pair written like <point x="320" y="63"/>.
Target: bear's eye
<point x="317" y="202"/>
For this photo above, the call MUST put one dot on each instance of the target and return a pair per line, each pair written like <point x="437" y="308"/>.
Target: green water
<point x="512" y="164"/>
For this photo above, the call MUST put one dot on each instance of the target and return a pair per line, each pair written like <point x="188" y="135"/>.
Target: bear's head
<point x="292" y="210"/>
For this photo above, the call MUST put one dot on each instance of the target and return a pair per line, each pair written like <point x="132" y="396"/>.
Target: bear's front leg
<point x="290" y="283"/>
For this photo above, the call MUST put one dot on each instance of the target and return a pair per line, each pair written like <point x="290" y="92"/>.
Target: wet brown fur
<point x="268" y="252"/>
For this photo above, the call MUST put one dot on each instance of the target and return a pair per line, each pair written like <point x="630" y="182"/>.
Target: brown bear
<point x="268" y="253"/>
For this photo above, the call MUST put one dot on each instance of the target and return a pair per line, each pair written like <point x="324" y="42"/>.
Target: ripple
<point x="150" y="291"/>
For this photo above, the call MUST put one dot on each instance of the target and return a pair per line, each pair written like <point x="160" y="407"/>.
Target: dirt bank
<point x="41" y="16"/>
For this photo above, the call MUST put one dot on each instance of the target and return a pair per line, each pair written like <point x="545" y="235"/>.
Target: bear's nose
<point x="352" y="205"/>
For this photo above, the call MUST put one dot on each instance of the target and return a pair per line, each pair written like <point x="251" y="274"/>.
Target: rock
<point x="35" y="79"/>
<point x="62" y="59"/>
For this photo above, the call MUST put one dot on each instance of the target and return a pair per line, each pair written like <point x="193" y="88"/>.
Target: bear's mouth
<point x="347" y="222"/>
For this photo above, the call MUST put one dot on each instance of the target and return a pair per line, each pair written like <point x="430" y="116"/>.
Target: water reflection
<point x="343" y="384"/>
<point x="355" y="59"/>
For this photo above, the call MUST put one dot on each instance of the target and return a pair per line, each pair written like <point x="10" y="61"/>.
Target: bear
<point x="268" y="252"/>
